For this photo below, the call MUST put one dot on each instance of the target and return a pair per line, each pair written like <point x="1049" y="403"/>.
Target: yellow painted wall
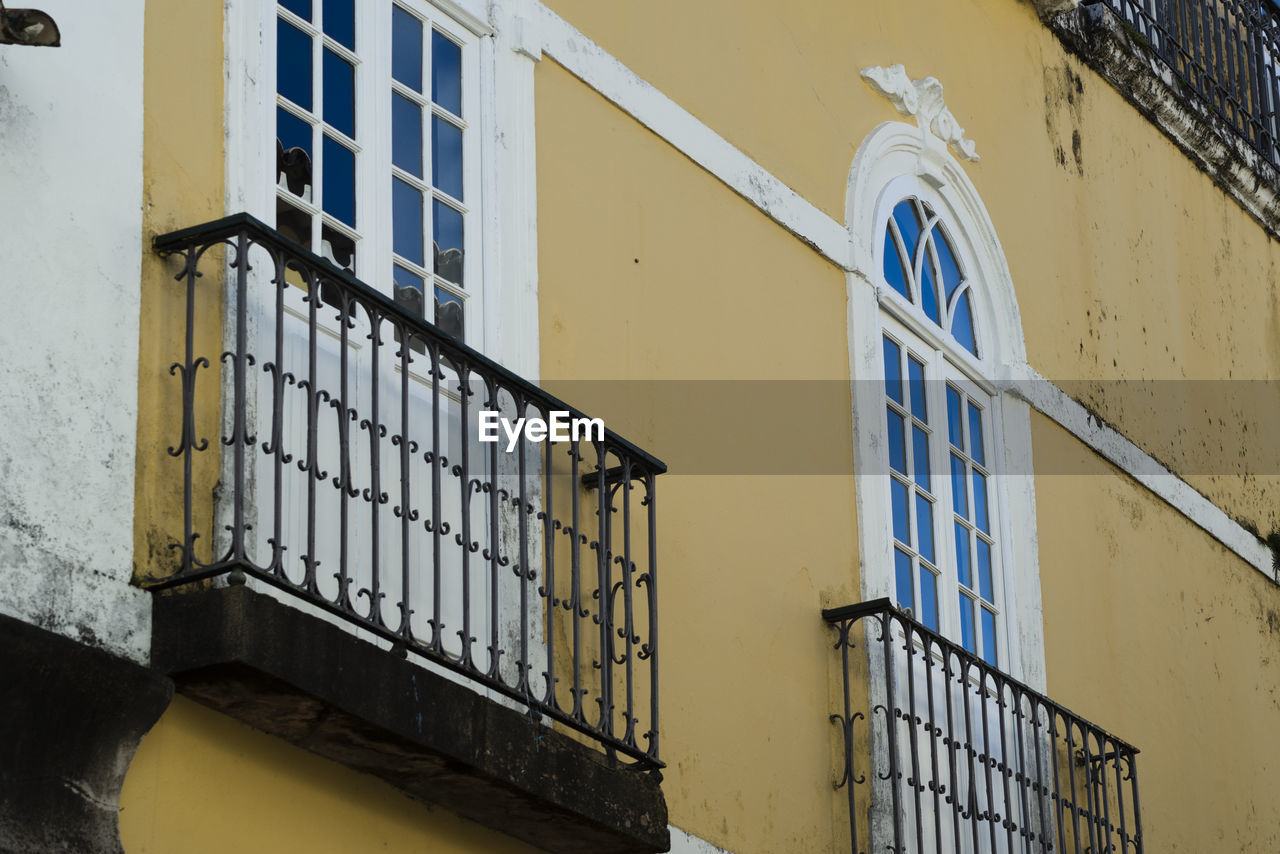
<point x="1128" y="262"/>
<point x="649" y="269"/>
<point x="1156" y="632"/>
<point x="202" y="782"/>
<point x="183" y="181"/>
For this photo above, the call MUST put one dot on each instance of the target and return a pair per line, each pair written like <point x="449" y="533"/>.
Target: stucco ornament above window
<point x="921" y="100"/>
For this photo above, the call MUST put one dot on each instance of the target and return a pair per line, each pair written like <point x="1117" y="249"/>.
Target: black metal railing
<point x="1226" y="51"/>
<point x="945" y="753"/>
<point x="373" y="499"/>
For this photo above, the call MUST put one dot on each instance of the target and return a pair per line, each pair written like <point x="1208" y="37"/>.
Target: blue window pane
<point x="339" y="181"/>
<point x="406" y="48"/>
<point x="301" y="8"/>
<point x="340" y="22"/>
<point x="901" y="521"/>
<point x="892" y="371"/>
<point x="406" y="221"/>
<point x="928" y="599"/>
<point x="976" y="449"/>
<point x="915" y="380"/>
<point x="959" y="492"/>
<point x="446" y="73"/>
<point x="984" y="571"/>
<point x="980" y="502"/>
<point x="962" y="555"/>
<point x="947" y="260"/>
<point x="449" y="312"/>
<point x="988" y="637"/>
<point x="292" y="131"/>
<point x="294" y="171"/>
<point x="447" y="228"/>
<point x="406" y="135"/>
<point x="897" y="443"/>
<point x="909" y="227"/>
<point x="955" y="425"/>
<point x="339" y="93"/>
<point x="920" y="449"/>
<point x="446" y="157"/>
<point x="408" y="290"/>
<point x="966" y="623"/>
<point x="929" y="292"/>
<point x="893" y="269"/>
<point x="924" y="528"/>
<point x="293" y="64"/>
<point x="902" y="578"/>
<point x="962" y="325"/>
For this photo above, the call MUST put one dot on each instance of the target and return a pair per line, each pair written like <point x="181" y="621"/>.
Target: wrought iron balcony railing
<point x="1226" y="51"/>
<point x="943" y="753"/>
<point x="350" y="476"/>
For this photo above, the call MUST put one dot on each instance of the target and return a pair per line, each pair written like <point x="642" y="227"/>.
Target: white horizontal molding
<point x="591" y="64"/>
<point x="1049" y="399"/>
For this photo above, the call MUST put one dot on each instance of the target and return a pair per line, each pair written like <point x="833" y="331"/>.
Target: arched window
<point x="942" y="438"/>
<point x="942" y="513"/>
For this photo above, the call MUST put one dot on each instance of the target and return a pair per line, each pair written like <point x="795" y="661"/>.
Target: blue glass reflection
<point x="892" y="371"/>
<point x="446" y="73"/>
<point x="406" y="221"/>
<point x="959" y="492"/>
<point x="988" y="637"/>
<point x="920" y="449"/>
<point x="962" y="555"/>
<point x="339" y="93"/>
<point x="928" y="599"/>
<point x="975" y="435"/>
<point x="894" y="273"/>
<point x="915" y="379"/>
<point x="984" y="571"/>
<point x="980" y="502"/>
<point x="924" y="528"/>
<point x="946" y="260"/>
<point x="447" y="229"/>
<point x="902" y="579"/>
<point x="966" y="623"/>
<point x="293" y="64"/>
<point x="962" y="325"/>
<point x="897" y="442"/>
<point x="340" y="22"/>
<point x="446" y="157"/>
<point x="928" y="292"/>
<point x="406" y="48"/>
<point x="339" y="187"/>
<point x="406" y="135"/>
<point x="901" y="519"/>
<point x="292" y="131"/>
<point x="955" y="425"/>
<point x="908" y="227"/>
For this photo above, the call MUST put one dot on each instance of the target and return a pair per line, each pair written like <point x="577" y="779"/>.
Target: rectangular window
<point x="944" y="548"/>
<point x="375" y="159"/>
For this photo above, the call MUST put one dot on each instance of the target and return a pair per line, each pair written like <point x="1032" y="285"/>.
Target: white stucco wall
<point x="70" y="257"/>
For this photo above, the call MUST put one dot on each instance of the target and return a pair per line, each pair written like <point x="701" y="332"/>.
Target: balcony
<point x="945" y="753"/>
<point x="358" y="572"/>
<point x="1225" y="51"/>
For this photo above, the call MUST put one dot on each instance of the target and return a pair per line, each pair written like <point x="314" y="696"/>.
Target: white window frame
<point x="894" y="162"/>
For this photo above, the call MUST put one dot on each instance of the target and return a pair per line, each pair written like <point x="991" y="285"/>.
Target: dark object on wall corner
<point x="28" y="26"/>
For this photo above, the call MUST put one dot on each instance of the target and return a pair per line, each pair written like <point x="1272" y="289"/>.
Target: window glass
<point x="340" y="22"/>
<point x="446" y="73"/>
<point x="293" y="64"/>
<point x="406" y="48"/>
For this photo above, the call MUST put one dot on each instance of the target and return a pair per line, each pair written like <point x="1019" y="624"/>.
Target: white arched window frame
<point x="896" y="162"/>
